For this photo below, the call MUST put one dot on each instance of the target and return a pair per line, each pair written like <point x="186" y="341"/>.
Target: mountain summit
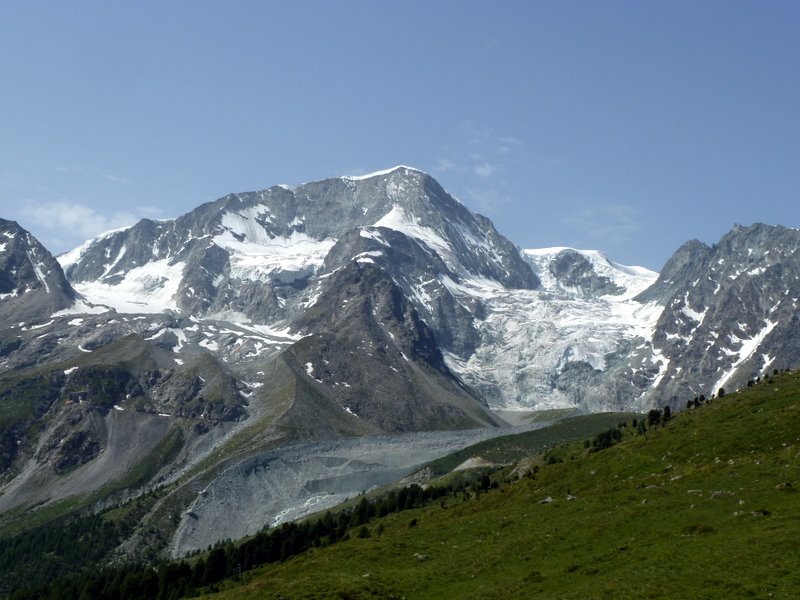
<point x="257" y="253"/>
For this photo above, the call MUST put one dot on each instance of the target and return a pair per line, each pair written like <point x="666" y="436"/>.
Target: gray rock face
<point x="293" y="482"/>
<point x="45" y="407"/>
<point x="378" y="360"/>
<point x="574" y="270"/>
<point x="418" y="272"/>
<point x="276" y="256"/>
<point x="32" y="284"/>
<point x="730" y="311"/>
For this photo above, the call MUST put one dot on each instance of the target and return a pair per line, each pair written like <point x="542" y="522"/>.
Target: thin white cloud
<point x="69" y="223"/>
<point x="445" y="165"/>
<point x="16" y="182"/>
<point x="484" y="155"/>
<point x="116" y="179"/>
<point x="92" y="172"/>
<point x="481" y="167"/>
<point x="68" y="169"/>
<point x="508" y="144"/>
<point x="510" y="140"/>
<point x="485" y="170"/>
<point x="487" y="200"/>
<point x="605" y="221"/>
<point x="76" y="217"/>
<point x="151" y="212"/>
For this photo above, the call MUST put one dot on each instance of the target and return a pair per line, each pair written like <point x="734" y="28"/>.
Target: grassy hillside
<point x="704" y="507"/>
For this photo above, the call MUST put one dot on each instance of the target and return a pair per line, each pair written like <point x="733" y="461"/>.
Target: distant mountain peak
<point x="32" y="284"/>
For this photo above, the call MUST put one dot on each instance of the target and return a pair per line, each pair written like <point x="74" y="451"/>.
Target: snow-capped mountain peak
<point x="215" y="258"/>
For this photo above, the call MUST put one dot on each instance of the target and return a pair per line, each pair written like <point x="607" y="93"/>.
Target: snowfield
<point x="150" y="288"/>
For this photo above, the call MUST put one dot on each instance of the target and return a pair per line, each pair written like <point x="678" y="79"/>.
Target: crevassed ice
<point x="530" y="334"/>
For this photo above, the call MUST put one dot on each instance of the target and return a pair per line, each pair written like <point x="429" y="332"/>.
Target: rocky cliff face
<point x="32" y="284"/>
<point x="730" y="311"/>
<point x="377" y="358"/>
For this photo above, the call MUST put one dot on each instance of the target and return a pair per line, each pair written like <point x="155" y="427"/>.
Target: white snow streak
<point x="378" y="173"/>
<point x="746" y="350"/>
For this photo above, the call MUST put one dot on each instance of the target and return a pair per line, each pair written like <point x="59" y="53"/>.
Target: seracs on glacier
<point x="528" y="335"/>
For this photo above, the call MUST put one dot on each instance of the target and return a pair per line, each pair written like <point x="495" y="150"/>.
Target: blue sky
<point x="628" y="127"/>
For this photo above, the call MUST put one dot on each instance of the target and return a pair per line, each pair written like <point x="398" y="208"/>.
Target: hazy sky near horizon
<point x="629" y="127"/>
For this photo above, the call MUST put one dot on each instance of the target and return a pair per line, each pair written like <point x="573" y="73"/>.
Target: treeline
<point x="606" y="439"/>
<point x="67" y="545"/>
<point x="767" y="379"/>
<point x="183" y="578"/>
<point x="55" y="550"/>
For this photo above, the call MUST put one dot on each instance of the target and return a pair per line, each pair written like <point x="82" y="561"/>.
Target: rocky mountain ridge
<point x="169" y="354"/>
<point x="524" y="329"/>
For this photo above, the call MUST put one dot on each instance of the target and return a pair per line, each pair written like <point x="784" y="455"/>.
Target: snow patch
<point x="378" y="173"/>
<point x="531" y="334"/>
<point x="210" y="345"/>
<point x="151" y="288"/>
<point x="633" y="279"/>
<point x="262" y="257"/>
<point x="372" y="234"/>
<point x="81" y="307"/>
<point x="399" y="220"/>
<point x="37" y="268"/>
<point x="72" y="257"/>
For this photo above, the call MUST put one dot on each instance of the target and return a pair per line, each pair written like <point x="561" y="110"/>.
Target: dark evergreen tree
<point x="216" y="566"/>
